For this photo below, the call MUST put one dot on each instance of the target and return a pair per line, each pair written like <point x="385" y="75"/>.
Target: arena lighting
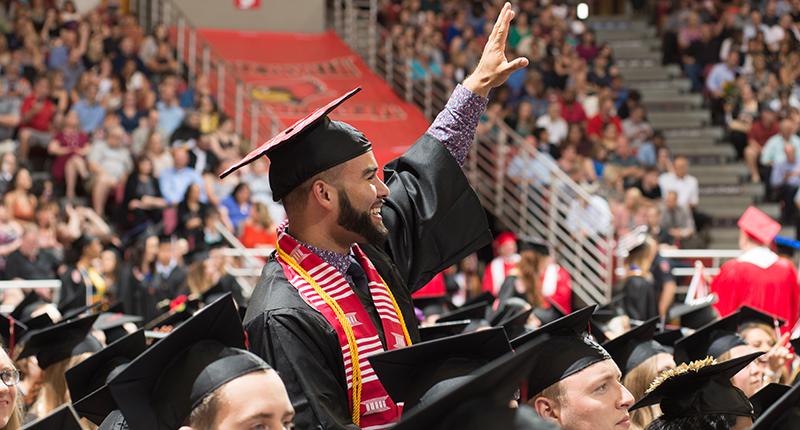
<point x="582" y="11"/>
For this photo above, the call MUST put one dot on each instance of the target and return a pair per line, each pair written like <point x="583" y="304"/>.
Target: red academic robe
<point x="496" y="272"/>
<point x="557" y="286"/>
<point x="761" y="279"/>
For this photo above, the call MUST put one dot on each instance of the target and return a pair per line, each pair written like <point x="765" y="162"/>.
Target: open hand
<point x="494" y="68"/>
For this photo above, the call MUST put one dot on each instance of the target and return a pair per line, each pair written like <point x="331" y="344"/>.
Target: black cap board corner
<point x="62" y="418"/>
<point x="783" y="414"/>
<point x="61" y="341"/>
<point x="767" y="396"/>
<point x="633" y="347"/>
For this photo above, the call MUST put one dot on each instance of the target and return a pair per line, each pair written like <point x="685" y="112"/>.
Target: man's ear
<point x="546" y="408"/>
<point x="324" y="194"/>
<point x="186" y="428"/>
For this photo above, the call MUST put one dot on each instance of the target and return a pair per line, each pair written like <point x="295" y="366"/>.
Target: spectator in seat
<point x="170" y="113"/>
<point x="680" y="181"/>
<point x="605" y="116"/>
<point x="554" y="124"/>
<point x="636" y="128"/>
<point x="773" y="151"/>
<point x="762" y="129"/>
<point x="571" y="109"/>
<point x="110" y="163"/>
<point x="10" y="106"/>
<point x="191" y="213"/>
<point x="720" y="76"/>
<point x="785" y="179"/>
<point x="259" y="229"/>
<point x="27" y="262"/>
<point x="700" y="54"/>
<point x="19" y="199"/>
<point x="143" y="198"/>
<point x="70" y="147"/>
<point x="90" y="112"/>
<point x="676" y="221"/>
<point x="38" y="112"/>
<point x="176" y="180"/>
<point x="238" y="205"/>
<point x="648" y="184"/>
<point x="590" y="216"/>
<point x="624" y="157"/>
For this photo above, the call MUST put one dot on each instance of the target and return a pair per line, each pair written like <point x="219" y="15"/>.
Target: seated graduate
<point x="201" y="377"/>
<point x="721" y="341"/>
<point x="783" y="414"/>
<point x="482" y="400"/>
<point x="699" y="395"/>
<point x="57" y="348"/>
<point x="576" y="384"/>
<point x="640" y="359"/>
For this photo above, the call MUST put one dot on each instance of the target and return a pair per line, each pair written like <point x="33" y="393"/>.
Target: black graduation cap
<point x="700" y="388"/>
<point x="316" y="140"/>
<point x="61" y="341"/>
<point x="112" y="324"/>
<point x="635" y="346"/>
<point x="767" y="396"/>
<point x="11" y="331"/>
<point x="39" y="322"/>
<point x="668" y="337"/>
<point x="711" y="340"/>
<point x="438" y="331"/>
<point x="159" y="389"/>
<point x="569" y="349"/>
<point x="514" y="323"/>
<point x="407" y="373"/>
<point x="432" y="305"/>
<point x="549" y="314"/>
<point x="23" y="310"/>
<point x="480" y="401"/>
<point x="72" y="313"/>
<point x="475" y="311"/>
<point x="484" y="297"/>
<point x="749" y="314"/>
<point x="62" y="418"/>
<point x="795" y="345"/>
<point x="530" y="243"/>
<point x="172" y="318"/>
<point x="695" y="315"/>
<point x="784" y="414"/>
<point x="87" y="380"/>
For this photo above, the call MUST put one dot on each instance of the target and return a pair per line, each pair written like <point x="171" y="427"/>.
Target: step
<point x="653" y="44"/>
<point x="706" y="154"/>
<point x="731" y="234"/>
<point x="671" y="101"/>
<point x="633" y="75"/>
<point x="755" y="191"/>
<point x="636" y="52"/>
<point x="638" y="61"/>
<point x="686" y="132"/>
<point x="726" y="174"/>
<point x="679" y="143"/>
<point x="742" y="200"/>
<point x="663" y="120"/>
<point x="732" y="212"/>
<point x="679" y="85"/>
<point x="605" y="27"/>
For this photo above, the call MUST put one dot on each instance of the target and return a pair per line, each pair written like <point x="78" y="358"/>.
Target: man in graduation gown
<point x="324" y="304"/>
<point x="758" y="278"/>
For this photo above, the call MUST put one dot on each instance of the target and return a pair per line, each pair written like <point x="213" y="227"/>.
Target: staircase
<point x="724" y="188"/>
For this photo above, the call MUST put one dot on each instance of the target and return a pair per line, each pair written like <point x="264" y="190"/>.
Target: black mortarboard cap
<point x="407" y="373"/>
<point x="432" y="305"/>
<point x="749" y="314"/>
<point x="11" y="331"/>
<point x="668" y="337"/>
<point x="172" y="318"/>
<point x="529" y="243"/>
<point x="767" y="396"/>
<point x="87" y="380"/>
<point x="112" y="324"/>
<point x="72" y="313"/>
<point x="61" y="341"/>
<point x="481" y="401"/>
<point x="633" y="347"/>
<point x="309" y="147"/>
<point x="784" y="414"/>
<point x="711" y="340"/>
<point x="699" y="388"/>
<point x="549" y="314"/>
<point x="484" y="297"/>
<point x="62" y="418"/>
<point x="39" y="322"/>
<point x="695" y="315"/>
<point x="23" y="310"/>
<point x="569" y="349"/>
<point x="475" y="311"/>
<point x="438" y="331"/>
<point x="514" y="323"/>
<point x="159" y="389"/>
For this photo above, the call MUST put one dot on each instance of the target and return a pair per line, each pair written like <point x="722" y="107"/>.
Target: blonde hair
<point x="196" y="279"/>
<point x="262" y="216"/>
<point x="54" y="391"/>
<point x="637" y="381"/>
<point x="643" y="257"/>
<point x="15" y="419"/>
<point x="528" y="267"/>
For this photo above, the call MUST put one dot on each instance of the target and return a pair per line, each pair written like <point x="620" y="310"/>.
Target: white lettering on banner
<point x="399" y="340"/>
<point x="298" y="254"/>
<point x="376" y="405"/>
<point x="352" y="319"/>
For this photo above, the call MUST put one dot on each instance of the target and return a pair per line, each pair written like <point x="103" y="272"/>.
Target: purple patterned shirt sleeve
<point x="456" y="123"/>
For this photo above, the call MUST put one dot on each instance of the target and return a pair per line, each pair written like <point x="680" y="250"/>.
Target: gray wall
<point x="300" y="16"/>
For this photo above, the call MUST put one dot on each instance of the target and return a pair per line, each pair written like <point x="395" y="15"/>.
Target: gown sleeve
<point x="433" y="215"/>
<point x="290" y="341"/>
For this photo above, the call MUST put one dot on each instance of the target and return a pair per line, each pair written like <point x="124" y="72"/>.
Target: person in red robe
<point x="505" y="249"/>
<point x="758" y="278"/>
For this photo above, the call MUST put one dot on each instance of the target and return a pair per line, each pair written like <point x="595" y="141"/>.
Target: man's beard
<point x="360" y="223"/>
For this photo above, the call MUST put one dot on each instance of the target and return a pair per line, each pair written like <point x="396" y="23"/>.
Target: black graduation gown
<point x="434" y="219"/>
<point x="640" y="301"/>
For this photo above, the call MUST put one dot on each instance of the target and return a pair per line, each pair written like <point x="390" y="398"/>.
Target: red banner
<point x="247" y="4"/>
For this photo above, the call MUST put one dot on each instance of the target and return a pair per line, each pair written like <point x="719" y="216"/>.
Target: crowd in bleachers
<point x="743" y="57"/>
<point x="571" y="103"/>
<point x="110" y="161"/>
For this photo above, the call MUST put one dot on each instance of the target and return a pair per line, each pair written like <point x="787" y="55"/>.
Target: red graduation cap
<point x="759" y="225"/>
<point x="307" y="148"/>
<point x="504" y="238"/>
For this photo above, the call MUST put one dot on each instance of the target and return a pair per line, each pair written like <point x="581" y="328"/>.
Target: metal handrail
<point x="51" y="284"/>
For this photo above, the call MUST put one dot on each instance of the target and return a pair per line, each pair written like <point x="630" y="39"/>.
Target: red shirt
<point x="760" y="133"/>
<point x="573" y="113"/>
<point x="596" y="125"/>
<point x="42" y="120"/>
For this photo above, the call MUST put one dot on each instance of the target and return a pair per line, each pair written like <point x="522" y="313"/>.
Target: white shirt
<point x="686" y="187"/>
<point x="556" y="128"/>
<point x="594" y="218"/>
